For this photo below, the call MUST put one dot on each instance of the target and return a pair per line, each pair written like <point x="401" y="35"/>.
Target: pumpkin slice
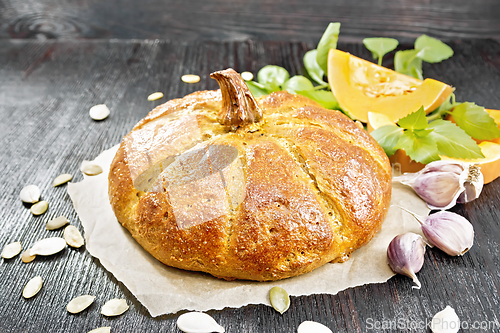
<point x="361" y="87"/>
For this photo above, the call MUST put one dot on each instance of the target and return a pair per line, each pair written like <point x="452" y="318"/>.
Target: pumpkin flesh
<point x="361" y="87"/>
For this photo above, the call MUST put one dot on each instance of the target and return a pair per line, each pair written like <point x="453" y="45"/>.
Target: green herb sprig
<point x="425" y="142"/>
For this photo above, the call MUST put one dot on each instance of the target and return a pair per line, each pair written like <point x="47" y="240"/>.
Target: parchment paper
<point x="163" y="290"/>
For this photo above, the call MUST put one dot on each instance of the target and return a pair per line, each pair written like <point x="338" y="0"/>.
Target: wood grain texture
<point x="46" y="90"/>
<point x="290" y="20"/>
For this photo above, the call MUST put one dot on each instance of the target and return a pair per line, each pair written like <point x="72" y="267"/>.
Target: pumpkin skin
<point x="361" y="87"/>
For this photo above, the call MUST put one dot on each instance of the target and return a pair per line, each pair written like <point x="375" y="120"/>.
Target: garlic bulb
<point x="405" y="255"/>
<point x="443" y="183"/>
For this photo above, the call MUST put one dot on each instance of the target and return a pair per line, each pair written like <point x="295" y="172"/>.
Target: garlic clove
<point x="449" y="232"/>
<point x="438" y="188"/>
<point x="405" y="255"/>
<point x="443" y="183"/>
<point x="445" y="321"/>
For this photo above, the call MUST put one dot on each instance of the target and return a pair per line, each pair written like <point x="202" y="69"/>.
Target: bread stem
<point x="239" y="107"/>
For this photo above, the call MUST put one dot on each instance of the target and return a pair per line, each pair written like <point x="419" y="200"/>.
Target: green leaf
<point x="407" y="62"/>
<point x="312" y="67"/>
<point x="414" y="121"/>
<point x="420" y="149"/>
<point x="431" y="49"/>
<point x="324" y="97"/>
<point x="297" y="83"/>
<point x="257" y="89"/>
<point x="272" y="77"/>
<point x="380" y="46"/>
<point x="388" y="137"/>
<point x="452" y="141"/>
<point x="328" y="41"/>
<point x="475" y="121"/>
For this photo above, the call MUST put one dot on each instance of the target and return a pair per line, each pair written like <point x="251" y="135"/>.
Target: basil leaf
<point x="414" y="121"/>
<point x="431" y="49"/>
<point x="257" y="89"/>
<point x="272" y="77"/>
<point x="380" y="46"/>
<point x="475" y="121"/>
<point x="421" y="149"/>
<point x="387" y="137"/>
<point x="452" y="141"/>
<point x="312" y="67"/>
<point x="407" y="62"/>
<point x="328" y="41"/>
<point x="324" y="97"/>
<point x="297" y="83"/>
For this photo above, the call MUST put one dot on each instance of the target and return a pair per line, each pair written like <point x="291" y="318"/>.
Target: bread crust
<point x="307" y="187"/>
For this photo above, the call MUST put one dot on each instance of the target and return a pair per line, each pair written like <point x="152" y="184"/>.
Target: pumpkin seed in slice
<point x="32" y="287"/>
<point x="80" y="303"/>
<point x="39" y="208"/>
<point x="279" y="299"/>
<point x="312" y="327"/>
<point x="57" y="223"/>
<point x="101" y="330"/>
<point x="198" y="322"/>
<point x="91" y="169"/>
<point x="11" y="250"/>
<point x="27" y="257"/>
<point x="190" y="78"/>
<point x="247" y="76"/>
<point x="155" y="96"/>
<point x="73" y="237"/>
<point x="30" y="194"/>
<point x="48" y="246"/>
<point x="99" y="112"/>
<point x="62" y="179"/>
<point x="114" y="307"/>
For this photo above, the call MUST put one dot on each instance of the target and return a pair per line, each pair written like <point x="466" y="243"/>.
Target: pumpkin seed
<point x="190" y="78"/>
<point x="80" y="303"/>
<point x="62" y="179"/>
<point x="30" y="194"/>
<point x="57" y="223"/>
<point x="39" y="208"/>
<point x="48" y="246"/>
<point x="11" y="250"/>
<point x="91" y="169"/>
<point x="32" y="287"/>
<point x="194" y="322"/>
<point x="101" y="330"/>
<point x="312" y="327"/>
<point x="279" y="299"/>
<point x="247" y="76"/>
<point x="155" y="96"/>
<point x="27" y="257"/>
<point x="99" y="112"/>
<point x="73" y="237"/>
<point x="114" y="307"/>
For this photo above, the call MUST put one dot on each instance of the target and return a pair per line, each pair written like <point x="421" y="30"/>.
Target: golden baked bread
<point x="243" y="189"/>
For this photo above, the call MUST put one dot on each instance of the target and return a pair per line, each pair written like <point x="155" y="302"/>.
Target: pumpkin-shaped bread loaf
<point x="240" y="188"/>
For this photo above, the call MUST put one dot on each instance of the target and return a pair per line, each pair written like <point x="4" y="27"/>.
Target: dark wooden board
<point x="46" y="90"/>
<point x="290" y="20"/>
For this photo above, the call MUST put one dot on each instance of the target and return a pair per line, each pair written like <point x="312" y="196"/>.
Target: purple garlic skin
<point x="443" y="183"/>
<point x="405" y="255"/>
<point x="449" y="232"/>
<point x="437" y="188"/>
